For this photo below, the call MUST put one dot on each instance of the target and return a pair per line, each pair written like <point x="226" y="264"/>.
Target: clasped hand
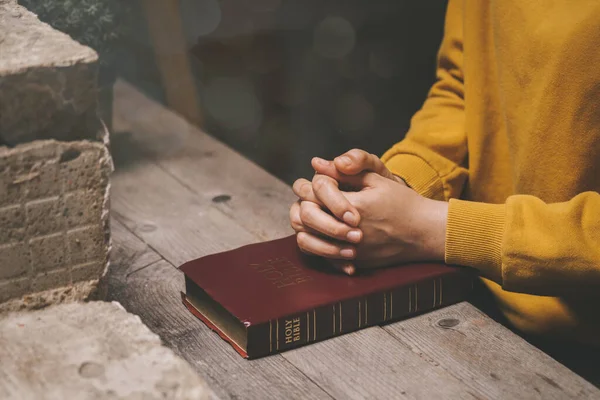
<point x="356" y="213"/>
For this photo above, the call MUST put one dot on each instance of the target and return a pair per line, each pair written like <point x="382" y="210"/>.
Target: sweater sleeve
<point x="432" y="156"/>
<point x="529" y="246"/>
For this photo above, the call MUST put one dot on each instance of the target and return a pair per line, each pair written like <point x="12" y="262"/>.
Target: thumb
<point x="356" y="161"/>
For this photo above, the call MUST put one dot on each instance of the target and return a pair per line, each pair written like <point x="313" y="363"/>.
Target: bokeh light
<point x="199" y="18"/>
<point x="334" y="37"/>
<point x="233" y="103"/>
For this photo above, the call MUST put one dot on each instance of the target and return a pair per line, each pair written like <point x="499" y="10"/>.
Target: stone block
<point x="48" y="81"/>
<point x="90" y="351"/>
<point x="12" y="223"/>
<point x="54" y="214"/>
<point x="44" y="216"/>
<point x="14" y="260"/>
<point x="48" y="252"/>
<point x="52" y="279"/>
<point x="82" y="207"/>
<point x="85" y="244"/>
<point x="87" y="271"/>
<point x="10" y="288"/>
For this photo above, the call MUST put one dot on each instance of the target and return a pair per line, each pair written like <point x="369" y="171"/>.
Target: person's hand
<point x="397" y="224"/>
<point x="324" y="192"/>
<point x="326" y="232"/>
<point x="333" y="203"/>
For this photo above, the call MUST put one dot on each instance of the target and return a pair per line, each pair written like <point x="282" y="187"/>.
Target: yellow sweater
<point x="510" y="135"/>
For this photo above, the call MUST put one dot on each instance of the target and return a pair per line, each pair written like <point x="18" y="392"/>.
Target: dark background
<point x="282" y="81"/>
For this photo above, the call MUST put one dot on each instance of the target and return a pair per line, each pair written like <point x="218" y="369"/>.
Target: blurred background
<point x="280" y="81"/>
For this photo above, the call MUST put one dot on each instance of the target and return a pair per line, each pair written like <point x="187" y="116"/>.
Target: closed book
<point x="269" y="297"/>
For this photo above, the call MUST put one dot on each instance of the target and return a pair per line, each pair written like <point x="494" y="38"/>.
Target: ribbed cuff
<point x="417" y="174"/>
<point x="474" y="234"/>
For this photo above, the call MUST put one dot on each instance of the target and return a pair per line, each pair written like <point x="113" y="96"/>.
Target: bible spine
<point x="353" y="314"/>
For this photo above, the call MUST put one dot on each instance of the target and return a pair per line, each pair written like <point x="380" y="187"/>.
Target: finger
<point x="303" y="189"/>
<point x="346" y="267"/>
<point x="327" y="191"/>
<point x="317" y="246"/>
<point x="295" y="220"/>
<point x="326" y="167"/>
<point x="314" y="217"/>
<point x="356" y="161"/>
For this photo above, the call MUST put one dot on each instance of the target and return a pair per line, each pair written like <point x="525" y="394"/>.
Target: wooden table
<point x="178" y="194"/>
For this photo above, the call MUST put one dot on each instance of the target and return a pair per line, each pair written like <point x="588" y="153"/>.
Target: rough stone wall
<point x="47" y="81"/>
<point x="54" y="226"/>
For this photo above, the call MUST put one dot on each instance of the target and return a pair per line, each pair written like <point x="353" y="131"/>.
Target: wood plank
<point x="255" y="199"/>
<point x="131" y="252"/>
<point x="488" y="357"/>
<point x="175" y="222"/>
<point x="370" y="364"/>
<point x="152" y="292"/>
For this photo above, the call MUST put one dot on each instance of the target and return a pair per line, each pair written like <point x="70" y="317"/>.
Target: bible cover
<point x="269" y="297"/>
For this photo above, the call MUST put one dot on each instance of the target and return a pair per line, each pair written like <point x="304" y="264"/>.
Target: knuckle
<point x="296" y="222"/>
<point x="297" y="185"/>
<point x="301" y="239"/>
<point x="337" y="231"/>
<point x="305" y="190"/>
<point x="304" y="213"/>
<point x="318" y="182"/>
<point x="358" y="154"/>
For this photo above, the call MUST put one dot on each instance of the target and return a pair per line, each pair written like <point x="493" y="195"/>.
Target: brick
<point x="48" y="252"/>
<point x="86" y="244"/>
<point x="29" y="172"/>
<point x="44" y="216"/>
<point x="88" y="271"/>
<point x="14" y="260"/>
<point x="44" y="180"/>
<point x="12" y="224"/>
<point x="82" y="207"/>
<point x="82" y="171"/>
<point x="48" y="81"/>
<point x="14" y="288"/>
<point x="51" y="280"/>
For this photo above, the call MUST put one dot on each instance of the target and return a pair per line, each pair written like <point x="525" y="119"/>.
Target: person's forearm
<point x="527" y="245"/>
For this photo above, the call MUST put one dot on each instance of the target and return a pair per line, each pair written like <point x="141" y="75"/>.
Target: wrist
<point x="435" y="218"/>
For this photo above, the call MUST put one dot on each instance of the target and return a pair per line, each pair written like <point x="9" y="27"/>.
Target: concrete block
<point x="48" y="280"/>
<point x="44" y="216"/>
<point x="12" y="223"/>
<point x="90" y="351"/>
<point x="87" y="272"/>
<point x="14" y="260"/>
<point x="82" y="207"/>
<point x="48" y="81"/>
<point x="54" y="214"/>
<point x="48" y="252"/>
<point x="10" y="288"/>
<point x="85" y="244"/>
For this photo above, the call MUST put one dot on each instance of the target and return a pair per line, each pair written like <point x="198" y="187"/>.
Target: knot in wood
<point x="448" y="323"/>
<point x="221" y="198"/>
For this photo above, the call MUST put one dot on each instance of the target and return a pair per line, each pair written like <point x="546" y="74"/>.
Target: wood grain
<point x="372" y="364"/>
<point x="487" y="357"/>
<point x="255" y="199"/>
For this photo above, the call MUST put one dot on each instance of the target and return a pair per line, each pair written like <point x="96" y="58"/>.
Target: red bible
<point x="269" y="297"/>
